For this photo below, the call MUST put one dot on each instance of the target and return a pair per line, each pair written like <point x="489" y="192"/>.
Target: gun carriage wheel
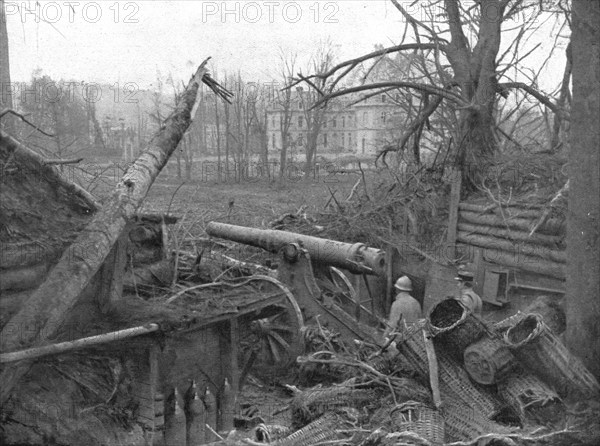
<point x="271" y="337"/>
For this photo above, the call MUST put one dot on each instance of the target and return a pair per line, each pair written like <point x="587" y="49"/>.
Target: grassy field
<point x="248" y="203"/>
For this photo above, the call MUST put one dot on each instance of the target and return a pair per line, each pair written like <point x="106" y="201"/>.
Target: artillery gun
<point x="311" y="267"/>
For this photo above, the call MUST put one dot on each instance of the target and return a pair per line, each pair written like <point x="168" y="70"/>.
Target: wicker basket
<point x="455" y="383"/>
<point x="488" y="361"/>
<point x="531" y="398"/>
<point x="454" y="327"/>
<point x="268" y="433"/>
<point x="329" y="427"/>
<point x="536" y="347"/>
<point x="464" y="423"/>
<point x="420" y="419"/>
<point x="312" y="403"/>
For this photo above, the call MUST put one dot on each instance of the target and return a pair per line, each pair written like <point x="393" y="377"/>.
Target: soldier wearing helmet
<point x="405" y="309"/>
<point x="467" y="296"/>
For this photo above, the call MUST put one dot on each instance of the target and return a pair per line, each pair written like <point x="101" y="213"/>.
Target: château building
<point x="348" y="126"/>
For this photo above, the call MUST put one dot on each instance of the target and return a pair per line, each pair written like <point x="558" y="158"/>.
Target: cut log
<point x="47" y="309"/>
<point x="550" y="241"/>
<point x="525" y="263"/>
<point x="552" y="226"/>
<point x="516" y="249"/>
<point x="512" y="212"/>
<point x="488" y="207"/>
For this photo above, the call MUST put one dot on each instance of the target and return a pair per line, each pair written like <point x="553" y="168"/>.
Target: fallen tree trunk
<point x="552" y="226"/>
<point x="551" y="241"/>
<point x="43" y="314"/>
<point x="525" y="263"/>
<point x="516" y="249"/>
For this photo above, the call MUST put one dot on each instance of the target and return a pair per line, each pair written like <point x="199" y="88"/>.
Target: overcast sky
<point x="109" y="41"/>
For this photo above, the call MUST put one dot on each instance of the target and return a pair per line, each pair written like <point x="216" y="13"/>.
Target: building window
<point x="349" y="139"/>
<point x="300" y="121"/>
<point x="343" y="140"/>
<point x="325" y="139"/>
<point x="300" y="139"/>
<point x="383" y="98"/>
<point x="343" y="121"/>
<point x="273" y="139"/>
<point x="299" y="105"/>
<point x="383" y="114"/>
<point x="365" y="118"/>
<point x="334" y="122"/>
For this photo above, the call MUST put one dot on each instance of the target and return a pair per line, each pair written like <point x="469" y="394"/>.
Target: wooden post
<point x="479" y="271"/>
<point x="453" y="212"/>
<point x="357" y="302"/>
<point x="235" y="371"/>
<point x="389" y="286"/>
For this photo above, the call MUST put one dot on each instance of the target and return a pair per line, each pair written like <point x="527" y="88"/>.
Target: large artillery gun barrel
<point x="354" y="257"/>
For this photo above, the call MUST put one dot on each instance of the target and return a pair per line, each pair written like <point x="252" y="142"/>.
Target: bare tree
<point x="313" y="115"/>
<point x="218" y="139"/>
<point x="462" y="40"/>
<point x="259" y="106"/>
<point x="283" y="103"/>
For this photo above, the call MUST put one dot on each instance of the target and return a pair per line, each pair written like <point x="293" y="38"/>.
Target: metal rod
<point x="53" y="349"/>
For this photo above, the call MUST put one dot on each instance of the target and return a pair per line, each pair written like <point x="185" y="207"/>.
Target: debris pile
<point x="511" y="383"/>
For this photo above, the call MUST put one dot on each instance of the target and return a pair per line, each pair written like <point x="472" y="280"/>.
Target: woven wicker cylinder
<point x="488" y="361"/>
<point x="312" y="403"/>
<point x="536" y="347"/>
<point x="455" y="383"/>
<point x="420" y="419"/>
<point x="463" y="422"/>
<point x="454" y="327"/>
<point x="531" y="398"/>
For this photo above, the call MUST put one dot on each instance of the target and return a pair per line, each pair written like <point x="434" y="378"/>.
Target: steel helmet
<point x="403" y="284"/>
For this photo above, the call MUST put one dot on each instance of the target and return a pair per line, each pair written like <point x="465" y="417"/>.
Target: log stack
<point x="506" y="238"/>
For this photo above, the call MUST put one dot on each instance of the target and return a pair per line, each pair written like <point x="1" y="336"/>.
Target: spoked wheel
<point x="272" y="338"/>
<point x="336" y="286"/>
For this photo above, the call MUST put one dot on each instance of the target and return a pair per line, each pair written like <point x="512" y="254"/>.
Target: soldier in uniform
<point x="405" y="309"/>
<point x="467" y="296"/>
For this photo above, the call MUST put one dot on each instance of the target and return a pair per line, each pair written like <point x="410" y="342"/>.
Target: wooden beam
<point x="234" y="329"/>
<point x="43" y="314"/>
<point x="453" y="208"/>
<point x="389" y="282"/>
<point x="479" y="272"/>
<point x="62" y="347"/>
